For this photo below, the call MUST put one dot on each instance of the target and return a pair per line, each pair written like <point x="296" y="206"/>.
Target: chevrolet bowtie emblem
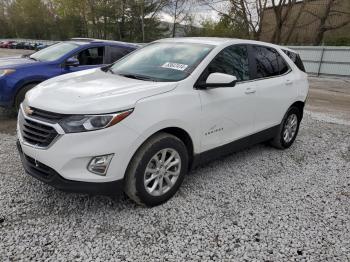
<point x="28" y="111"/>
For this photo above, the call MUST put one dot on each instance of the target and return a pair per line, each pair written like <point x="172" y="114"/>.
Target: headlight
<point x="4" y="72"/>
<point x="83" y="123"/>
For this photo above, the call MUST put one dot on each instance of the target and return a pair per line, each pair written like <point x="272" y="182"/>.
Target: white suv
<point x="141" y="123"/>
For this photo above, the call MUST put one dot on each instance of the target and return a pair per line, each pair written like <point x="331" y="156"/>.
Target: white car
<point x="142" y="123"/>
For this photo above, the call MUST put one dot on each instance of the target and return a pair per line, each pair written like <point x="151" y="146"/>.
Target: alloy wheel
<point x="162" y="172"/>
<point x="290" y="128"/>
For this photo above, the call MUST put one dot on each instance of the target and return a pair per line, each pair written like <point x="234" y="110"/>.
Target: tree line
<point x="140" y="20"/>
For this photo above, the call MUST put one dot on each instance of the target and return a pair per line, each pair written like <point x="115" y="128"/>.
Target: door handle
<point x="289" y="82"/>
<point x="250" y="90"/>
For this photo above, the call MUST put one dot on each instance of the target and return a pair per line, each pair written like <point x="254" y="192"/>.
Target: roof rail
<point x="83" y="39"/>
<point x="94" y="40"/>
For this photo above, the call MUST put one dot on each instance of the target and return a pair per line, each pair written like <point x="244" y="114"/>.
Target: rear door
<point x="275" y="86"/>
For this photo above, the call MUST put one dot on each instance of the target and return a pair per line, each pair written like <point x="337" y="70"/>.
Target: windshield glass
<point x="162" y="61"/>
<point x="54" y="52"/>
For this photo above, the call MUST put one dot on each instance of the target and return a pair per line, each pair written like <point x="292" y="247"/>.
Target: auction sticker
<point x="176" y="66"/>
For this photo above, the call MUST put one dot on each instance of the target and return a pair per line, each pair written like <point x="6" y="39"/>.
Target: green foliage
<point x="62" y="19"/>
<point x="339" y="41"/>
<point x="224" y="28"/>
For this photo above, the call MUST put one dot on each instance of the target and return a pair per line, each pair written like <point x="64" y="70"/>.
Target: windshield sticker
<point x="176" y="66"/>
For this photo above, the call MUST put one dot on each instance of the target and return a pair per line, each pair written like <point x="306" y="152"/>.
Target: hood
<point x="92" y="92"/>
<point x="15" y="62"/>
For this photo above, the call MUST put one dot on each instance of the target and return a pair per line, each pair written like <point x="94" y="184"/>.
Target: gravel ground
<point x="258" y="204"/>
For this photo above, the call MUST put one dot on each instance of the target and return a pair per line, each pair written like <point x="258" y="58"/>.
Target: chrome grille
<point x="36" y="133"/>
<point x="45" y="115"/>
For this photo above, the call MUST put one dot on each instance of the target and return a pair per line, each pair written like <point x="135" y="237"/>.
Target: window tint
<point x="232" y="60"/>
<point x="91" y="56"/>
<point x="269" y="62"/>
<point x="115" y="53"/>
<point x="296" y="59"/>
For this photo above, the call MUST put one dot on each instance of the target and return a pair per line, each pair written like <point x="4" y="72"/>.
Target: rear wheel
<point x="21" y="95"/>
<point x="157" y="170"/>
<point x="288" y="129"/>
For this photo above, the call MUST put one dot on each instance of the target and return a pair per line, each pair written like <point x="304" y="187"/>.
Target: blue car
<point x="20" y="74"/>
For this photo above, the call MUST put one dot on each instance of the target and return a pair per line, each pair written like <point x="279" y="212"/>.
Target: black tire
<point x="134" y="179"/>
<point x="21" y="95"/>
<point x="278" y="141"/>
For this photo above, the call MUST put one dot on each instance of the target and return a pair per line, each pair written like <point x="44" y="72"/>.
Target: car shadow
<point x="83" y="203"/>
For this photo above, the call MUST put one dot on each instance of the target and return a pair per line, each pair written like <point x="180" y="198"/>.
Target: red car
<point x="6" y="44"/>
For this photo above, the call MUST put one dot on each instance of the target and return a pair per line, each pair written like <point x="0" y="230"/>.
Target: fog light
<point x="99" y="164"/>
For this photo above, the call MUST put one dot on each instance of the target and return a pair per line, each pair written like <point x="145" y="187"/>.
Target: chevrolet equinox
<point x="140" y="124"/>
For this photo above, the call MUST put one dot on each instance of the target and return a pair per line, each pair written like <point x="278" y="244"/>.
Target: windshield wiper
<point x="138" y="77"/>
<point x="33" y="58"/>
<point x="110" y="70"/>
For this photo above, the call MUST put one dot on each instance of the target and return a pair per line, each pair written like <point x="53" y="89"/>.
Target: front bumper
<point x="70" y="154"/>
<point x="49" y="176"/>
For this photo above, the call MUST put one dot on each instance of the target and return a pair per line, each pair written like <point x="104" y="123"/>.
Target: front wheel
<point x="288" y="129"/>
<point x="21" y="95"/>
<point x="157" y="170"/>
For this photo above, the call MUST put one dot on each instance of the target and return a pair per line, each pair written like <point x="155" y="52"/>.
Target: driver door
<point x="228" y="112"/>
<point x="88" y="58"/>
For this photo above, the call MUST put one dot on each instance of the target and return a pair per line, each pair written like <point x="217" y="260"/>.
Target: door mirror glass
<point x="216" y="80"/>
<point x="72" y="61"/>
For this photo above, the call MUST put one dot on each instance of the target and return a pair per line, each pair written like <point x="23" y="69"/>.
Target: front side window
<point x="162" y="61"/>
<point x="269" y="62"/>
<point x="54" y="52"/>
<point x="232" y="60"/>
<point x="91" y="56"/>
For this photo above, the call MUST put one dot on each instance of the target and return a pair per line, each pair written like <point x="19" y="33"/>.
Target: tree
<point x="30" y="18"/>
<point x="281" y="9"/>
<point x="326" y="19"/>
<point x="4" y="28"/>
<point x="178" y="9"/>
<point x="248" y="13"/>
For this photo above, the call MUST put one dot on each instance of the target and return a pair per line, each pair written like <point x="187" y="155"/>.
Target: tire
<point x="147" y="156"/>
<point x="21" y="95"/>
<point x="280" y="141"/>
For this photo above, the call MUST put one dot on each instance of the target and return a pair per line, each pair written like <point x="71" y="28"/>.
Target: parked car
<point x="41" y="46"/>
<point x="12" y="45"/>
<point x="27" y="45"/>
<point x="20" y="74"/>
<point x="140" y="124"/>
<point x="6" y="44"/>
<point x="20" y="45"/>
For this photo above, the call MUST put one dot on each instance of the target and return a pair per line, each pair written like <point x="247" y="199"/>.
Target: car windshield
<point x="53" y="52"/>
<point x="162" y="61"/>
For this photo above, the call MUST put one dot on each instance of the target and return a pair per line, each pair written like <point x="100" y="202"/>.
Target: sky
<point x="200" y="13"/>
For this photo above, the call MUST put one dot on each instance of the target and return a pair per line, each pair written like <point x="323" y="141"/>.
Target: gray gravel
<point x="258" y="204"/>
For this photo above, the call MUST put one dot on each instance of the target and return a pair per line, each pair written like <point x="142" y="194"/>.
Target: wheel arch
<point x="176" y="131"/>
<point x="19" y="88"/>
<point x="185" y="137"/>
<point x="300" y="105"/>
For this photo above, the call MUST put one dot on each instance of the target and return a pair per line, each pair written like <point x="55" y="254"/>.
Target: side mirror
<point x="216" y="80"/>
<point x="72" y="61"/>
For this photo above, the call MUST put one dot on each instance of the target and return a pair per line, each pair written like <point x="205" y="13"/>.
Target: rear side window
<point x="114" y="53"/>
<point x="269" y="62"/>
<point x="232" y="60"/>
<point x="296" y="59"/>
